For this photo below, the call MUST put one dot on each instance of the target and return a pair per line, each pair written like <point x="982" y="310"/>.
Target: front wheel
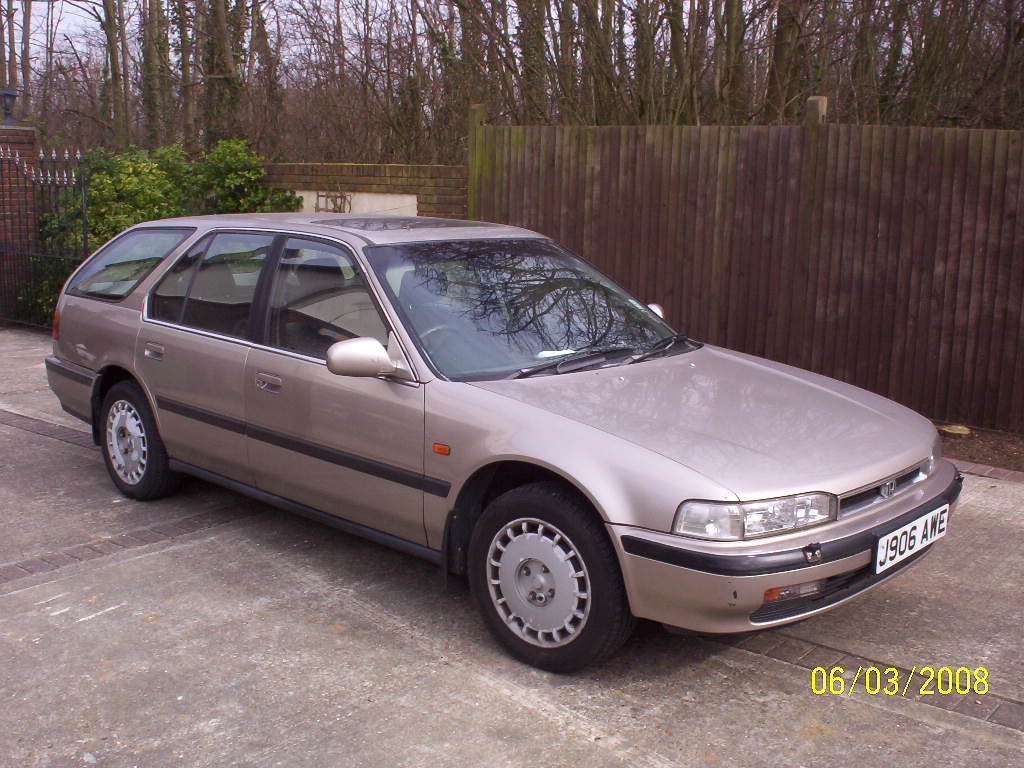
<point x="544" y="576"/>
<point x="132" y="450"/>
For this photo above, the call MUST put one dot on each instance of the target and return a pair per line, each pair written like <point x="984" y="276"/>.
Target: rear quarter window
<point x="113" y="272"/>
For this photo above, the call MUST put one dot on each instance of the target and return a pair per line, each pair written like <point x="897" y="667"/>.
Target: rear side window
<point x="115" y="271"/>
<point x="168" y="300"/>
<point x="221" y="292"/>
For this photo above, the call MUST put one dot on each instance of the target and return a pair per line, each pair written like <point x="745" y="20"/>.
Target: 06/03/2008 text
<point x="893" y="681"/>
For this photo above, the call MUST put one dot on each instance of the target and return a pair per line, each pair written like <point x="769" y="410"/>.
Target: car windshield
<point x="486" y="309"/>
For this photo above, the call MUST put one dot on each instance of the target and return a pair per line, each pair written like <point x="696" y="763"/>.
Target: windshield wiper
<point x="574" y="362"/>
<point x="662" y="346"/>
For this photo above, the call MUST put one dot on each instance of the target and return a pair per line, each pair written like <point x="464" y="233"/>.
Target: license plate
<point x="897" y="546"/>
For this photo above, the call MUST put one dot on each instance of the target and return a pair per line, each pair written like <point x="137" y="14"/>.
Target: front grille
<point x="836" y="588"/>
<point x="859" y="500"/>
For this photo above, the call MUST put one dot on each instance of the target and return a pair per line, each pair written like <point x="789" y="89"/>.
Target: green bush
<point x="229" y="181"/>
<point x="135" y="186"/>
<point x="125" y="189"/>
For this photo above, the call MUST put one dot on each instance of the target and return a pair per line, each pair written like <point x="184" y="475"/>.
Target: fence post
<point x="477" y="118"/>
<point x="814" y="114"/>
<point x="808" y="215"/>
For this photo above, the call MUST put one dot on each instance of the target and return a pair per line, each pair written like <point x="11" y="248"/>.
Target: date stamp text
<point x="926" y="681"/>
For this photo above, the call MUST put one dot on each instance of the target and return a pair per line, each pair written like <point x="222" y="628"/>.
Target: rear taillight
<point x="56" y="324"/>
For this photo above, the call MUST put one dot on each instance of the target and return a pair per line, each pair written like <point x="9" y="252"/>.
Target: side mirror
<point x="364" y="356"/>
<point x="657" y="309"/>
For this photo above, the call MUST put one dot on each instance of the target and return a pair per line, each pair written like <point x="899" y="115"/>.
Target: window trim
<point x="70" y="290"/>
<point x="261" y="300"/>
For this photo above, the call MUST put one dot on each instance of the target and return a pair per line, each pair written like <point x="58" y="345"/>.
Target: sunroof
<point x="389" y="223"/>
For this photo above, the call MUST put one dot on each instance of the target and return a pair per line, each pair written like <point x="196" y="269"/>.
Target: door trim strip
<point x="390" y="472"/>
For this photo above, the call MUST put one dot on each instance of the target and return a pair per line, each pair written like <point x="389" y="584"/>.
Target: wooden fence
<point x="891" y="258"/>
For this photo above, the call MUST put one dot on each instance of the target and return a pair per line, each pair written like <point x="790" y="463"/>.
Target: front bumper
<point x="717" y="592"/>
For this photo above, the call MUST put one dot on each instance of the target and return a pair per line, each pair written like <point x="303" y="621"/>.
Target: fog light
<point x="806" y="589"/>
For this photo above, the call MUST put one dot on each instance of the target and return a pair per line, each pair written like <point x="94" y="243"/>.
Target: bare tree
<point x="392" y="80"/>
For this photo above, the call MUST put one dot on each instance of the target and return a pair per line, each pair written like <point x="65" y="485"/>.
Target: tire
<point x="545" y="578"/>
<point x="132" y="449"/>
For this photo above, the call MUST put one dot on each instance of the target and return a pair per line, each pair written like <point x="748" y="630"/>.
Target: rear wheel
<point x="132" y="450"/>
<point x="544" y="576"/>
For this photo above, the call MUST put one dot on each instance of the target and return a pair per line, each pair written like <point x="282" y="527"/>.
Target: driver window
<point x="319" y="298"/>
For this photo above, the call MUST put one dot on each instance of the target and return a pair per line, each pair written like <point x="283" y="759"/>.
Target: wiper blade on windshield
<point x="661" y="346"/>
<point x="573" y="362"/>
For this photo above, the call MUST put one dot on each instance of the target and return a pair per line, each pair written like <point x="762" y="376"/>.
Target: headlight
<point x="725" y="521"/>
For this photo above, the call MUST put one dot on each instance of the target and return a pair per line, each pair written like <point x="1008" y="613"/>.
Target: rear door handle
<point x="268" y="382"/>
<point x="154" y="351"/>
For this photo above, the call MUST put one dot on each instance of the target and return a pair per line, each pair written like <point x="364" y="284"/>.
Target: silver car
<point x="480" y="397"/>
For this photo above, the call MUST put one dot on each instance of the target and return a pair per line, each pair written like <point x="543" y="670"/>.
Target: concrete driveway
<point x="208" y="630"/>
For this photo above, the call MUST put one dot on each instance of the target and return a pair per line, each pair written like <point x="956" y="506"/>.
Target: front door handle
<point x="154" y="351"/>
<point x="268" y="382"/>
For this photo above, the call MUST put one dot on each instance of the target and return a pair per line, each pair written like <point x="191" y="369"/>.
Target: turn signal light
<point x="55" y="332"/>
<point x="806" y="589"/>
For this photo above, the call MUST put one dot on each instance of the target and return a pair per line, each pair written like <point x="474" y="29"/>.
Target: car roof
<point x="375" y="229"/>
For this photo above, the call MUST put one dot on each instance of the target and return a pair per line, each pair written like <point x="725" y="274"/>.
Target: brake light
<point x="56" y="325"/>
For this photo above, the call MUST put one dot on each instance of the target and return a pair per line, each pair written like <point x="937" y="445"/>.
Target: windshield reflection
<point x="485" y="308"/>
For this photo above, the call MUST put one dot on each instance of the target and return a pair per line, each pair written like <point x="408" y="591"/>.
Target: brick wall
<point x="440" y="189"/>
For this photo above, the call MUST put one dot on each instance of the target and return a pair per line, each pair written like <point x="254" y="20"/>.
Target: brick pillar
<point x="19" y="137"/>
<point x="18" y="226"/>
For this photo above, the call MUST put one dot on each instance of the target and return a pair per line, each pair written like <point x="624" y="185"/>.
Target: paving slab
<point x="23" y="387"/>
<point x="63" y="497"/>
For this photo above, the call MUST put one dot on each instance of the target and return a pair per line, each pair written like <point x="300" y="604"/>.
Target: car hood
<point x="758" y="428"/>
